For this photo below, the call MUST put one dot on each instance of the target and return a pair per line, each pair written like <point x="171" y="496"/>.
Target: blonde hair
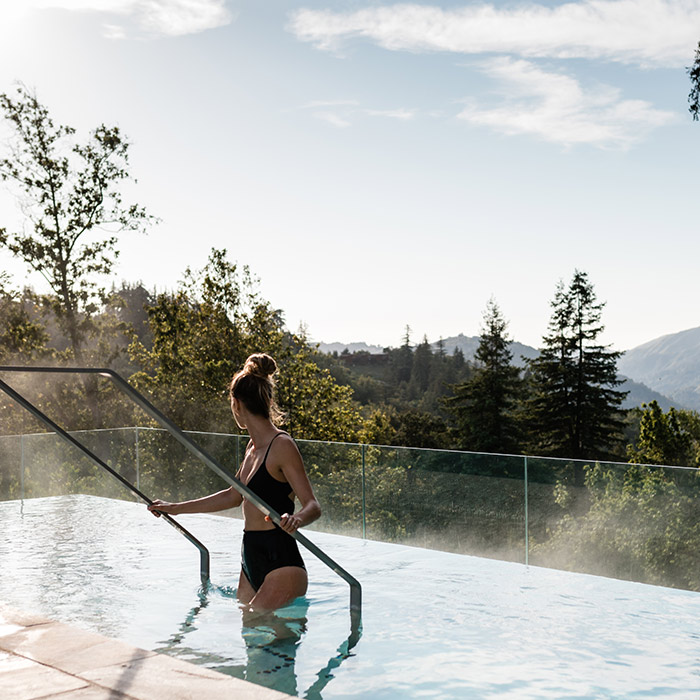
<point x="254" y="385"/>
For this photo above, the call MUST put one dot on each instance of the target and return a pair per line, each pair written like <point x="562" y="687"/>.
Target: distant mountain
<point x="634" y="366"/>
<point x="469" y="344"/>
<point x="330" y="348"/>
<point x="669" y="364"/>
<point x="641" y="393"/>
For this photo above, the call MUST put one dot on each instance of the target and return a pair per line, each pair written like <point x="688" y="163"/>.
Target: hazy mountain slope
<point x="467" y="344"/>
<point x="641" y="393"/>
<point x="330" y="348"/>
<point x="670" y="365"/>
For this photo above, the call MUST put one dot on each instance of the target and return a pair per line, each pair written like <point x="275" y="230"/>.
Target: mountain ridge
<point x="640" y="391"/>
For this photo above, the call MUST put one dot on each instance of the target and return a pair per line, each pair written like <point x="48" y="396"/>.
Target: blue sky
<point x="380" y="164"/>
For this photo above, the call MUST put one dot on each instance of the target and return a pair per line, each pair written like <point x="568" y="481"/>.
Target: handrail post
<point x="364" y="518"/>
<point x="527" y="535"/>
<point x="21" y="466"/>
<point x="136" y="457"/>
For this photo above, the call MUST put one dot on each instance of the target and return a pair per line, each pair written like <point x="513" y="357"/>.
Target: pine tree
<point x="484" y="405"/>
<point x="422" y="366"/>
<point x="574" y="409"/>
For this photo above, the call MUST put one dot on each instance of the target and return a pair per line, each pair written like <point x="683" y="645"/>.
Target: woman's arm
<point x="223" y="500"/>
<point x="290" y="463"/>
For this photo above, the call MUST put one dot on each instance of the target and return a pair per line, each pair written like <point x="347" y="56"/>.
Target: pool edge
<point x="42" y="658"/>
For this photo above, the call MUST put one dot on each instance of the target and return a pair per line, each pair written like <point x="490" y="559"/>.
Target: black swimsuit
<point x="266" y="550"/>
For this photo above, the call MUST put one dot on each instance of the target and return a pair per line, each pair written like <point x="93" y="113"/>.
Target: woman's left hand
<point x="290" y="523"/>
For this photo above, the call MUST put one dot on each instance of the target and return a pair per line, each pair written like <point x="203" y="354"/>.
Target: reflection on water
<point x="271" y="639"/>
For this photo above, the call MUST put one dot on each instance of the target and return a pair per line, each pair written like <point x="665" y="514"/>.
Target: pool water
<point x="435" y="625"/>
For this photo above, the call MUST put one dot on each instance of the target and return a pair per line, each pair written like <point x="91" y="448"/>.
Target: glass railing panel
<point x="41" y="465"/>
<point x="454" y="501"/>
<point x="639" y="523"/>
<point x="167" y="470"/>
<point x="10" y="467"/>
<point x="335" y="472"/>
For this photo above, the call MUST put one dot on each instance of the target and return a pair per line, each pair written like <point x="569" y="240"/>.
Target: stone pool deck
<point x="40" y="658"/>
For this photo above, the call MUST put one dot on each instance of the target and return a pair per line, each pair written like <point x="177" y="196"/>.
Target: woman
<point x="272" y="570"/>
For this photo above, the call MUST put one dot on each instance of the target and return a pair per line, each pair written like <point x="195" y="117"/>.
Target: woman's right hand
<point x="158" y="507"/>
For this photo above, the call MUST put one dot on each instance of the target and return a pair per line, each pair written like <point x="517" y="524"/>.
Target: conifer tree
<point x="574" y="408"/>
<point x="484" y="405"/>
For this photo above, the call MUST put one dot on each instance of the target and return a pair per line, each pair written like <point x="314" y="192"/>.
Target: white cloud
<point x="644" y="32"/>
<point x="155" y="17"/>
<point x="556" y="108"/>
<point x="333" y="119"/>
<point x="341" y="113"/>
<point x="400" y="114"/>
<point x="330" y="103"/>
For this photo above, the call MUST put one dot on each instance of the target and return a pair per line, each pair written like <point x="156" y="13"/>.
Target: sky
<point x="379" y="164"/>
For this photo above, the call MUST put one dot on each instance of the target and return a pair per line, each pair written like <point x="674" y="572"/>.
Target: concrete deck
<point x="44" y="659"/>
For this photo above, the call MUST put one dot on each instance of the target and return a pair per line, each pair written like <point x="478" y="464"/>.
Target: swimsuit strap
<point x="269" y="446"/>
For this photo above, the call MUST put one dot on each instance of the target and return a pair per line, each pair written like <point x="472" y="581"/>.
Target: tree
<point x="419" y="429"/>
<point x="663" y="439"/>
<point x="68" y="193"/>
<point x="401" y="360"/>
<point x="484" y="405"/>
<point x="694" y="96"/>
<point x="642" y="524"/>
<point x="422" y="366"/>
<point x="21" y="338"/>
<point x="574" y="409"/>
<point x="202" y="335"/>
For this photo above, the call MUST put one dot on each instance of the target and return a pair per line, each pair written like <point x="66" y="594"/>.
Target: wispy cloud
<point x="643" y="32"/>
<point x="333" y="119"/>
<point x="400" y="114"/>
<point x="152" y="17"/>
<point x="557" y="108"/>
<point x="343" y="113"/>
<point x="330" y="103"/>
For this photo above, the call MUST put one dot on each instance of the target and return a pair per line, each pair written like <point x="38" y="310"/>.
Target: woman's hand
<point x="158" y="507"/>
<point x="290" y="523"/>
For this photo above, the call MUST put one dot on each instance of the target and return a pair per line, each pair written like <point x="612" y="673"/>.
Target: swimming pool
<point x="435" y="625"/>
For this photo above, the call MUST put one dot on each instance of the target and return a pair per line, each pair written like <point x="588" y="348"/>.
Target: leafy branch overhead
<point x="69" y="194"/>
<point x="694" y="96"/>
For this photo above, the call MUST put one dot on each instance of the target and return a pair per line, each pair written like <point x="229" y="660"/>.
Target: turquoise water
<point x="435" y="625"/>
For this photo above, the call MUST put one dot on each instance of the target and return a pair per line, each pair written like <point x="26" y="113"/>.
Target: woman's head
<point x="254" y="386"/>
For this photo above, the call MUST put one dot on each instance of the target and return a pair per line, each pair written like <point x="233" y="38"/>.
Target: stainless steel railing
<point x="22" y="401"/>
<point x="201" y="454"/>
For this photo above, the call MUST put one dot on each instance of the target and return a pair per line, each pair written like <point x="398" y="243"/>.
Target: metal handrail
<point x="191" y="446"/>
<point x="16" y="396"/>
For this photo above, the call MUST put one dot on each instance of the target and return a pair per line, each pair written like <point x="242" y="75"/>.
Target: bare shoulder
<point x="284" y="446"/>
<point x="284" y="455"/>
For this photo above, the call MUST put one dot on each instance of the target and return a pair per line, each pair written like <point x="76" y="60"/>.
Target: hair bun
<point x="260" y="364"/>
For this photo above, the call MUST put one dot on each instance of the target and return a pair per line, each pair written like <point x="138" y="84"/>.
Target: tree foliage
<point x="666" y="438"/>
<point x="202" y="335"/>
<point x="643" y="524"/>
<point x="484" y="406"/>
<point x="68" y="193"/>
<point x="694" y="96"/>
<point x="573" y="409"/>
<point x="21" y="337"/>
